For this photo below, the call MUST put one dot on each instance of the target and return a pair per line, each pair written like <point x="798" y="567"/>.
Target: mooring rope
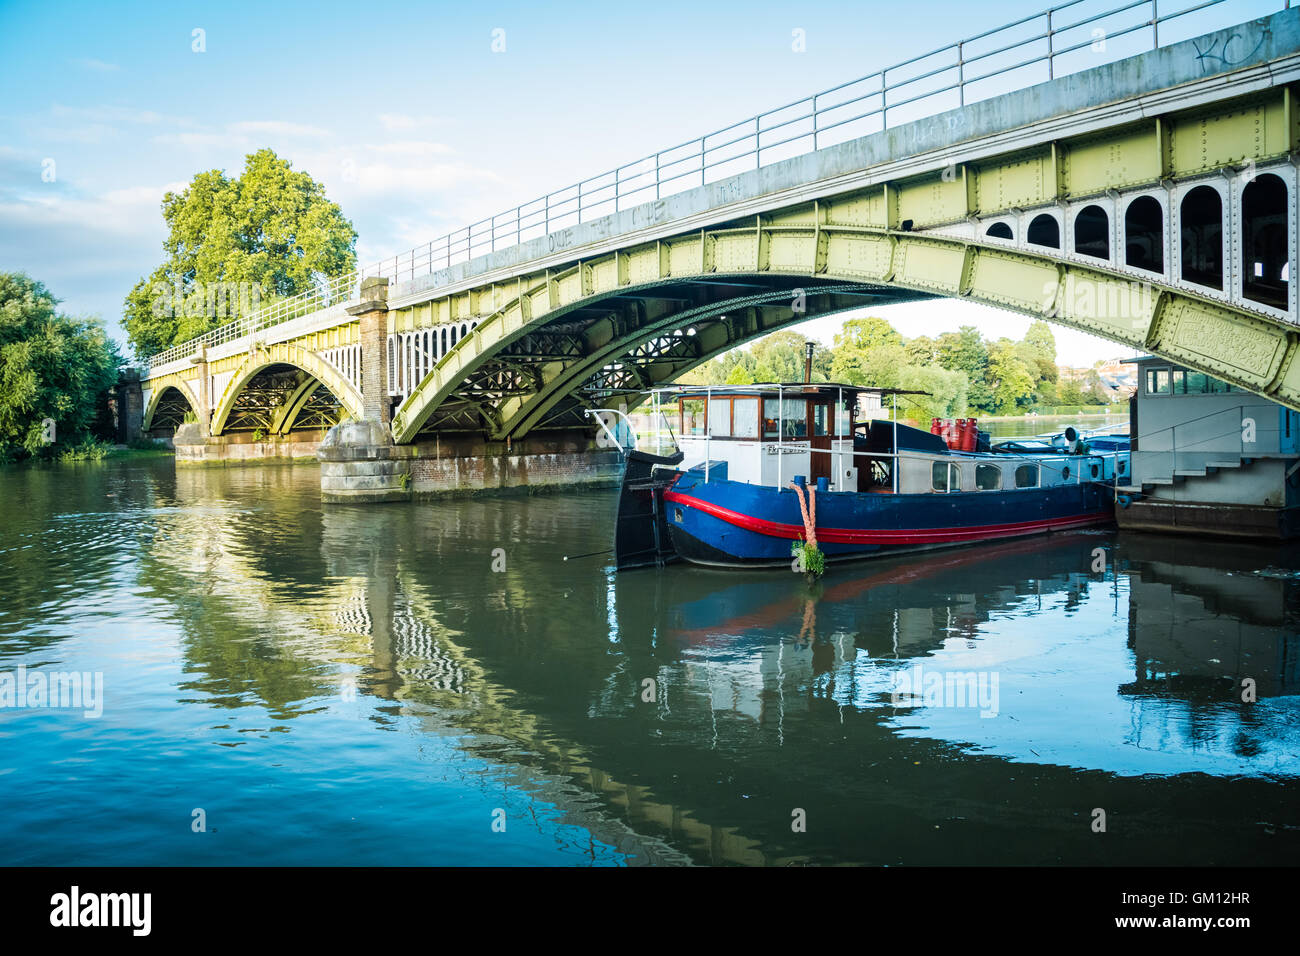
<point x="809" y="511"/>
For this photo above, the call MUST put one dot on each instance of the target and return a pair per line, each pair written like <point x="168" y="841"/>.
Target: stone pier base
<point x="359" y="464"/>
<point x="239" y="448"/>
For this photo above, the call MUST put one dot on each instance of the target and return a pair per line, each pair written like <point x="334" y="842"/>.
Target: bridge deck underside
<point x="621" y="345"/>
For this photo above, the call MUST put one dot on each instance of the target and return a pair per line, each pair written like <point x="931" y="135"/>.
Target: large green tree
<point x="868" y="351"/>
<point x="966" y="351"/>
<point x="946" y="393"/>
<point x="234" y="244"/>
<point x="778" y="357"/>
<point x="51" y="366"/>
<point x="1010" y="380"/>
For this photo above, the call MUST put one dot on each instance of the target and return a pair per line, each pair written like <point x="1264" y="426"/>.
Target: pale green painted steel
<point x="158" y="387"/>
<point x="283" y="353"/>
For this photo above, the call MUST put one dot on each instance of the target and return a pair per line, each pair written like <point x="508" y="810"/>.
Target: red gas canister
<point x="968" y="434"/>
<point x="936" y="427"/>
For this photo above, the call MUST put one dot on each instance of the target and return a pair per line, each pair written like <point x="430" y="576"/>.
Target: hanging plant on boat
<point x="808" y="557"/>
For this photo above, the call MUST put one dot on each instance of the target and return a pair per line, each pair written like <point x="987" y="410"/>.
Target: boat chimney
<point x="807" y="363"/>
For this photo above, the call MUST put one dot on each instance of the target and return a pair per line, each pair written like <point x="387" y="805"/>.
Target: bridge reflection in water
<point x="1119" y="689"/>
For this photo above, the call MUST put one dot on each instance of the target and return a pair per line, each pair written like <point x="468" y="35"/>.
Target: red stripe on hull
<point x="775" y="529"/>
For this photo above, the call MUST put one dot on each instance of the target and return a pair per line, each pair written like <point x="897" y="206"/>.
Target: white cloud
<point x="88" y="249"/>
<point x="275" y="128"/>
<point x="401" y="121"/>
<point x="411" y="148"/>
<point x="111" y="115"/>
<point x="200" y="140"/>
<point x="382" y="177"/>
<point x="97" y="66"/>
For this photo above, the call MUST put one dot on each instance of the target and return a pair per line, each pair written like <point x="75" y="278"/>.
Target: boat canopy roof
<point x="828" y="388"/>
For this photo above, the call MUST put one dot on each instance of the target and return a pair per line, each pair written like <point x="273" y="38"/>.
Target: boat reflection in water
<point x="688" y="713"/>
<point x="703" y="707"/>
<point x="1149" y="666"/>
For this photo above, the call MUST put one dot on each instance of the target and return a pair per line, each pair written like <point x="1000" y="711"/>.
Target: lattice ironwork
<point x="320" y="410"/>
<point x="172" y="409"/>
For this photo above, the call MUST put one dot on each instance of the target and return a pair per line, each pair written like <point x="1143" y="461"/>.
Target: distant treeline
<point x="964" y="373"/>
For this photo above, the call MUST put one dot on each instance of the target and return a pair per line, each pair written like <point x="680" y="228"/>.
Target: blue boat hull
<point x="729" y="523"/>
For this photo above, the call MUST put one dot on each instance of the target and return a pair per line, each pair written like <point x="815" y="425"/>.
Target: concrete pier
<point x="241" y="448"/>
<point x="358" y="466"/>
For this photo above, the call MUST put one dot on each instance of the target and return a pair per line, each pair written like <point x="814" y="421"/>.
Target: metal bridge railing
<point x="1029" y="50"/>
<point x="327" y="292"/>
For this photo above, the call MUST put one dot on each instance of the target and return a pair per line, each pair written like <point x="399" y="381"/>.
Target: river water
<point x="432" y="683"/>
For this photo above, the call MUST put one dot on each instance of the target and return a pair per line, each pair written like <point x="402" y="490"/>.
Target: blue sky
<point x="404" y="112"/>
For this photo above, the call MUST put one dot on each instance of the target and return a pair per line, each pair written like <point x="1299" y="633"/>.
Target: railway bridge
<point x="1131" y="174"/>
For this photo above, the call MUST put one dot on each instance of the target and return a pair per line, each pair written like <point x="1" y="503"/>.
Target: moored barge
<point x="751" y="471"/>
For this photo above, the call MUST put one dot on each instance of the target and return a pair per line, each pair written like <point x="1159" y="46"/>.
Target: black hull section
<point x="641" y="536"/>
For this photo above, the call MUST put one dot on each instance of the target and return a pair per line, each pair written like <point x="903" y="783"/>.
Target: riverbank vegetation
<point x="55" y="373"/>
<point x="963" y="372"/>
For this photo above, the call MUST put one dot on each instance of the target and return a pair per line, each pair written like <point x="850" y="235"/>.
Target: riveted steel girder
<point x="284" y="353"/>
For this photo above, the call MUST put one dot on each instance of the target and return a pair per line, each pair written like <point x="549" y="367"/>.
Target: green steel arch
<point x="283" y="353"/>
<point x="160" y="388"/>
<point x="800" y="250"/>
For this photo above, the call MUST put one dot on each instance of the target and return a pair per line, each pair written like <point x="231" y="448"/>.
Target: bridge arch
<point x="613" y="329"/>
<point x="1045" y="230"/>
<point x="1091" y="230"/>
<point x="160" y="392"/>
<point x="282" y="353"/>
<point x="1145" y="233"/>
<point x="1108" y="264"/>
<point x="1200" y="245"/>
<point x="1267" y="242"/>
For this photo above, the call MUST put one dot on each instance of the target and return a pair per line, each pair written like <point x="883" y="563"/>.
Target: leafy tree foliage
<point x="947" y="393"/>
<point x="962" y="371"/>
<point x="235" y="244"/>
<point x="778" y="357"/>
<point x="51" y="366"/>
<point x="1009" y="381"/>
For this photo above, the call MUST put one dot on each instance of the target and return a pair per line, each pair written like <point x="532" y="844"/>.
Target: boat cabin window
<point x="1158" y="381"/>
<point x="788" y="413"/>
<point x="988" y="477"/>
<point x="1027" y="476"/>
<point x="945" y="477"/>
<point x="769" y="417"/>
<point x="692" y="417"/>
<point x="1197" y="383"/>
<point x="720" y="417"/>
<point x="744" y="417"/>
<point x="821" y="420"/>
<point x="771" y="414"/>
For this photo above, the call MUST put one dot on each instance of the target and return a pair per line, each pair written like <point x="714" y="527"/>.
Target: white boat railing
<point x="781" y="446"/>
